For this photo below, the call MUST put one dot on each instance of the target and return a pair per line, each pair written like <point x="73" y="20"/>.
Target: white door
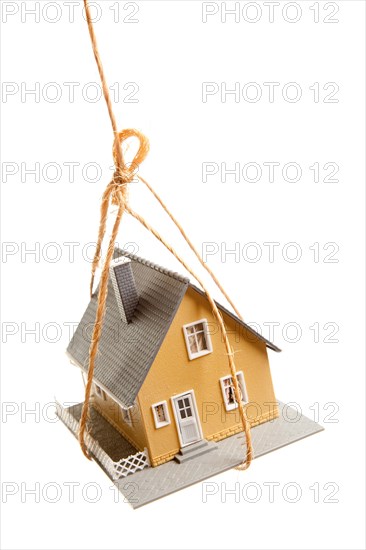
<point x="187" y="418"/>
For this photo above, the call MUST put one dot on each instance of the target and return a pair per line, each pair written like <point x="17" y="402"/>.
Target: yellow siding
<point x="173" y="373"/>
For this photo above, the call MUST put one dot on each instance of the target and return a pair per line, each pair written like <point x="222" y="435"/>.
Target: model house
<point x="162" y="377"/>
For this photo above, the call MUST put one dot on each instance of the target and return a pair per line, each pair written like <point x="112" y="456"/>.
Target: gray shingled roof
<point x="127" y="351"/>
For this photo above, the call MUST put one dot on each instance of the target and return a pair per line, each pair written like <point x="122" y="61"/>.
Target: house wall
<point x="110" y="409"/>
<point x="173" y="373"/>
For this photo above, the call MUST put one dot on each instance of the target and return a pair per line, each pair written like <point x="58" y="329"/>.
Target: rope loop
<point x="143" y="149"/>
<point x="125" y="172"/>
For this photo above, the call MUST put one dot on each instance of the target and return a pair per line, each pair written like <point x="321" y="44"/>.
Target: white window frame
<point x="207" y="337"/>
<point x="100" y="392"/>
<point x="159" y="423"/>
<point x="126" y="416"/>
<point x="242" y="385"/>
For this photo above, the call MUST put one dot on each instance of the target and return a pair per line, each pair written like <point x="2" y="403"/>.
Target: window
<point x="197" y="339"/>
<point x="100" y="393"/>
<point x="126" y="416"/>
<point x="161" y="414"/>
<point x="228" y="394"/>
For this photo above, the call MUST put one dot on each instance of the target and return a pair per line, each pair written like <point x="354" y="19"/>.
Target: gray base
<point x="151" y="484"/>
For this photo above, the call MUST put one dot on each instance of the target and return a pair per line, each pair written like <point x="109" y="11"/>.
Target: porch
<point x="109" y="448"/>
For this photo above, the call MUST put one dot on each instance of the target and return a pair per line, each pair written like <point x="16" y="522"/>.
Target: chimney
<point x="124" y="287"/>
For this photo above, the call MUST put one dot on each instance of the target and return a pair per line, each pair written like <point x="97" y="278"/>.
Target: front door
<point x="187" y="418"/>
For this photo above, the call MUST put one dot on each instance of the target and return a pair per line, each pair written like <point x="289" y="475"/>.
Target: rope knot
<point x="121" y="177"/>
<point x="125" y="172"/>
<point x="118" y="185"/>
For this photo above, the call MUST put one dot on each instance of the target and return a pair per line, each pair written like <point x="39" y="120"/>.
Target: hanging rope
<point x="191" y="246"/>
<point x="116" y="194"/>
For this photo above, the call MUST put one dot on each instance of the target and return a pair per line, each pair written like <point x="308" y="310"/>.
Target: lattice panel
<point x="131" y="464"/>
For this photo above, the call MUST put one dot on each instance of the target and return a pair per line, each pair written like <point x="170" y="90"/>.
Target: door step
<point x="196" y="449"/>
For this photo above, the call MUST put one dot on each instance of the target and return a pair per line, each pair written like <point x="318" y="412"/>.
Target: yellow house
<point x="161" y="376"/>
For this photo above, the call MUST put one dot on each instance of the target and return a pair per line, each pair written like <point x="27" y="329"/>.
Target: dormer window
<point x="197" y="338"/>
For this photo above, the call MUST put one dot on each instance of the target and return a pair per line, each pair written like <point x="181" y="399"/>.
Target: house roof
<point x="127" y="350"/>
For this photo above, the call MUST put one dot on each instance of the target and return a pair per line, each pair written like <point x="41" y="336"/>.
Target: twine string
<point x="220" y="321"/>
<point x="116" y="193"/>
<point x="191" y="246"/>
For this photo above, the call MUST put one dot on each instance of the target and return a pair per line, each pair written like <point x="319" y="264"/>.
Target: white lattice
<point x="131" y="464"/>
<point x="116" y="470"/>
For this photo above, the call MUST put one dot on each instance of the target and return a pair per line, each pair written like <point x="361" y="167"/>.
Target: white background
<point x="169" y="53"/>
